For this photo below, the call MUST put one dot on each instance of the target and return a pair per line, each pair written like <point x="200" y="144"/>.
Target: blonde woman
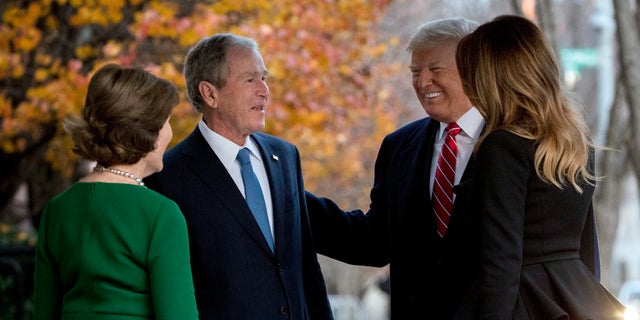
<point x="534" y="180"/>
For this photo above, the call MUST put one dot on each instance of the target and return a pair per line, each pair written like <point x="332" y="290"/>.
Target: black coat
<point x="537" y="240"/>
<point x="429" y="276"/>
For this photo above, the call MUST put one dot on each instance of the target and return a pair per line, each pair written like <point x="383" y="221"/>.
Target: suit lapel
<point x="208" y="167"/>
<point x="418" y="151"/>
<point x="271" y="158"/>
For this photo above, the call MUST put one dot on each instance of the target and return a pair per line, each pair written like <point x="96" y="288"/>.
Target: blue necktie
<point x="253" y="195"/>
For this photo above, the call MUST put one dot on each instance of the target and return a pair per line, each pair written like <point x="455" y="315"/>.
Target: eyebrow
<point x="254" y="73"/>
<point x="437" y="63"/>
<point x="420" y="66"/>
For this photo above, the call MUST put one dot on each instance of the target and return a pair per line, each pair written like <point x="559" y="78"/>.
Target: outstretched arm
<point x="349" y="236"/>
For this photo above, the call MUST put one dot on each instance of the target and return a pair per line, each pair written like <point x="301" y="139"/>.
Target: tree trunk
<point x="622" y="132"/>
<point x="546" y="21"/>
<point x="17" y="167"/>
<point x="516" y="7"/>
<point x="612" y="165"/>
<point x="629" y="44"/>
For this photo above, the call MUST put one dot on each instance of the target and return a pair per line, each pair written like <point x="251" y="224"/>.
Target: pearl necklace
<point x="100" y="168"/>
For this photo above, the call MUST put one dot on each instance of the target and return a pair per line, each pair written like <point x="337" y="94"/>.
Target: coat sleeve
<point x="48" y="286"/>
<point x="355" y="237"/>
<point x="502" y="172"/>
<point x="589" y="251"/>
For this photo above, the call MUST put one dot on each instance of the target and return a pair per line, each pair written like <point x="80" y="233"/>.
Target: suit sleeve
<point x="314" y="285"/>
<point x="355" y="237"/>
<point x="346" y="236"/>
<point x="169" y="267"/>
<point x="502" y="172"/>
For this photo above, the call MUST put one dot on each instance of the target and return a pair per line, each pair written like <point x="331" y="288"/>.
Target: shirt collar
<point x="471" y="123"/>
<point x="224" y="148"/>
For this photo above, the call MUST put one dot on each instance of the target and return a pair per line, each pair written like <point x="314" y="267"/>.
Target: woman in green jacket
<point x="108" y="247"/>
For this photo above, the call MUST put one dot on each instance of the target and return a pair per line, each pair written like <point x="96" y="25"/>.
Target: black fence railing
<point x="16" y="281"/>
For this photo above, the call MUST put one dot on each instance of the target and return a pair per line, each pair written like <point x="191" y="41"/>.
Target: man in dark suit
<point x="242" y="268"/>
<point x="431" y="269"/>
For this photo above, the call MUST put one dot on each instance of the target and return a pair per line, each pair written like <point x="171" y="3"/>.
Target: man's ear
<point x="209" y="93"/>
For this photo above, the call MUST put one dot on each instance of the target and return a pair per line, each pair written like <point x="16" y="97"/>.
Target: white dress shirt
<point x="227" y="151"/>
<point x="471" y="124"/>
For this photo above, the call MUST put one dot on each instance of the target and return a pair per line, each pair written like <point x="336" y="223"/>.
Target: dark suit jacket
<point x="235" y="274"/>
<point x="536" y="239"/>
<point x="429" y="276"/>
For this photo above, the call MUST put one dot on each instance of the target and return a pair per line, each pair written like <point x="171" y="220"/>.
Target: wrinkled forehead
<point x="443" y="53"/>
<point x="245" y="60"/>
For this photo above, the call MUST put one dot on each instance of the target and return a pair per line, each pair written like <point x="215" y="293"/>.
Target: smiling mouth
<point x="431" y="95"/>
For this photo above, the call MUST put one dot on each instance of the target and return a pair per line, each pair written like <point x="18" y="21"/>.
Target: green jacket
<point x="109" y="250"/>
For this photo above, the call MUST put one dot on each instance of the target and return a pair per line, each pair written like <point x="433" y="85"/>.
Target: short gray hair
<point x="206" y="61"/>
<point x="436" y="32"/>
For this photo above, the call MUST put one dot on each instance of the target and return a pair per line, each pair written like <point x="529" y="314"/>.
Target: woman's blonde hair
<point x="510" y="73"/>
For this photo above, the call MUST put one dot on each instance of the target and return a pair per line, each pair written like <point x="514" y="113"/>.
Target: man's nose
<point x="425" y="78"/>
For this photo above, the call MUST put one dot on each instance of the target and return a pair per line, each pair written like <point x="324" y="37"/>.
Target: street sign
<point x="575" y="59"/>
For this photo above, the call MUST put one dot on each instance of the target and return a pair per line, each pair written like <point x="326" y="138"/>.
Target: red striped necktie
<point x="442" y="197"/>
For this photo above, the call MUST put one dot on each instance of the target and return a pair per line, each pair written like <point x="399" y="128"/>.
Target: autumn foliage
<point x="327" y="91"/>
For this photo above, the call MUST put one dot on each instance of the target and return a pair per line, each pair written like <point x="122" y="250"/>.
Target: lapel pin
<point x="274" y="157"/>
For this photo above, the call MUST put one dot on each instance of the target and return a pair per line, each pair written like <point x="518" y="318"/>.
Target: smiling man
<point x="417" y="223"/>
<point x="242" y="194"/>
